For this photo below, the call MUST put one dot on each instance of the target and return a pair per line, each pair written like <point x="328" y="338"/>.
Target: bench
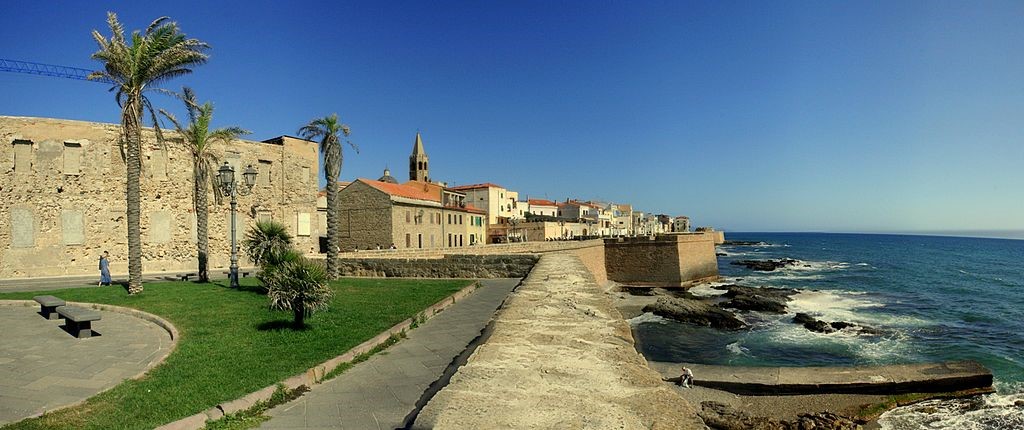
<point x="241" y="273"/>
<point x="185" y="276"/>
<point x="78" y="320"/>
<point x="48" y="306"/>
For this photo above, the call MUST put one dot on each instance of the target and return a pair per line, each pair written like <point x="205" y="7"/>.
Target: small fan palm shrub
<point x="299" y="285"/>
<point x="266" y="243"/>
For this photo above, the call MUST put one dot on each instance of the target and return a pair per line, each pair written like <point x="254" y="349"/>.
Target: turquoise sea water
<point x="934" y="298"/>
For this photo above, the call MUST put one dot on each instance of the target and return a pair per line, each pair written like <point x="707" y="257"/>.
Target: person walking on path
<point x="104" y="269"/>
<point x="686" y="380"/>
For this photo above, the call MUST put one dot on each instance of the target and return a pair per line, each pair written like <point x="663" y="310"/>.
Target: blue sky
<point x="791" y="116"/>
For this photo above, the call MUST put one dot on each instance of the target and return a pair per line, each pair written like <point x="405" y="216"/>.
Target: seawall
<point x="673" y="260"/>
<point x="559" y="356"/>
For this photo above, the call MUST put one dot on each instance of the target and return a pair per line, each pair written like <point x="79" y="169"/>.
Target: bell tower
<point x="418" y="162"/>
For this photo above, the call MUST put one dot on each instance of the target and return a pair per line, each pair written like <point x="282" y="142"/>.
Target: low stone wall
<point x="670" y="260"/>
<point x="492" y="249"/>
<point x="448" y="266"/>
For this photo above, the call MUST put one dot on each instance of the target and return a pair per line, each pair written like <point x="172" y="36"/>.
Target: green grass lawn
<point x="231" y="344"/>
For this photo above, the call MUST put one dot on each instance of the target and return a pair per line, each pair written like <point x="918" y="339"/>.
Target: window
<point x="408" y="217"/>
<point x="449" y="218"/>
<point x="23" y="156"/>
<point x="460" y="219"/>
<point x="263" y="177"/>
<point x="304" y="175"/>
<point x="419" y="237"/>
<point x="408" y="240"/>
<point x="72" y="158"/>
<point x="264" y="216"/>
<point x="449" y="240"/>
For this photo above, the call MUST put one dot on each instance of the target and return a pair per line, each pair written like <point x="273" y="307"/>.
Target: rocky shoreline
<point x="720" y="311"/>
<point x="723" y="410"/>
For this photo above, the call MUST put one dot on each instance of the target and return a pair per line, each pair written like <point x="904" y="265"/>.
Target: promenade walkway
<point x="42" y="367"/>
<point x="383" y="391"/>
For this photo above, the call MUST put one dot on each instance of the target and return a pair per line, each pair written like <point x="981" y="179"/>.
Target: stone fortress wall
<point x="671" y="260"/>
<point x="62" y="198"/>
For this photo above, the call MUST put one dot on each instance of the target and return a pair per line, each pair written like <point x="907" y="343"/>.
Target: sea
<point x="933" y="298"/>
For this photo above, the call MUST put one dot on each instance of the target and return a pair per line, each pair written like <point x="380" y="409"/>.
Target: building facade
<point x="62" y="202"/>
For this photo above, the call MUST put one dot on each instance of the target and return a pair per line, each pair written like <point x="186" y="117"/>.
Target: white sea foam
<point x="647" y="317"/>
<point x="991" y="411"/>
<point x="708" y="290"/>
<point x="836" y="305"/>
<point x="736" y="348"/>
<point x="815" y="266"/>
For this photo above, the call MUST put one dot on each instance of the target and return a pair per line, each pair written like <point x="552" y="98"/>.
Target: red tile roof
<point x="476" y="186"/>
<point x="406" y="190"/>
<point x="540" y="202"/>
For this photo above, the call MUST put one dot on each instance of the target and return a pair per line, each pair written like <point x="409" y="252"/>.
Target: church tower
<point x="418" y="162"/>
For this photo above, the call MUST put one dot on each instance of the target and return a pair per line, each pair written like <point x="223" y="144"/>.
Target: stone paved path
<point x="42" y="366"/>
<point x="380" y="392"/>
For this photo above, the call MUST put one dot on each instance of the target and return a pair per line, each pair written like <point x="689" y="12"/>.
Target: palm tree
<point x="152" y="57"/>
<point x="266" y="243"/>
<point x="329" y="130"/>
<point x="299" y="285"/>
<point x="199" y="139"/>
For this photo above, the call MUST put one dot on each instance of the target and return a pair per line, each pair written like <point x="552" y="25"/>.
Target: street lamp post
<point x="227" y="182"/>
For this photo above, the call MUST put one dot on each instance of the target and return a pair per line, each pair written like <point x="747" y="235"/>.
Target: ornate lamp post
<point x="226" y="174"/>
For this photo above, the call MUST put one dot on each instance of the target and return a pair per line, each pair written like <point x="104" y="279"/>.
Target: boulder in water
<point x="750" y="302"/>
<point x="765" y="265"/>
<point x="696" y="312"/>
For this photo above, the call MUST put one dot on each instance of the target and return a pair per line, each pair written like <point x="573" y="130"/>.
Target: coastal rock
<point x="765" y="265"/>
<point x="755" y="303"/>
<point x="823" y="420"/>
<point x="1019" y="403"/>
<point x="756" y="299"/>
<point x="839" y="325"/>
<point x="814" y="324"/>
<point x="721" y="254"/>
<point x="695" y="312"/>
<point x="720" y="416"/>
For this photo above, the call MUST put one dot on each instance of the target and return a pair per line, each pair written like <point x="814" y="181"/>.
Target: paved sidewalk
<point x="382" y="391"/>
<point x="43" y="367"/>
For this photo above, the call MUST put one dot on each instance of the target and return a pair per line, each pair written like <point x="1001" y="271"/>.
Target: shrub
<point x="299" y="285"/>
<point x="266" y="243"/>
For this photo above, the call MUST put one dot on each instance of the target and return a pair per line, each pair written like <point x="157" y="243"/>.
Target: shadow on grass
<point x="278" y="325"/>
<point x="243" y="287"/>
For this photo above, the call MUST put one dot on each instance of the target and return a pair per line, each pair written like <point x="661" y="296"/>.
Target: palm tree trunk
<point x="333" y="242"/>
<point x="131" y="122"/>
<point x="202" y="236"/>
<point x="300" y="316"/>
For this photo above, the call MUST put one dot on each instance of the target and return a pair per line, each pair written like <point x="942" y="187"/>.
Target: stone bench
<point x="78" y="320"/>
<point x="241" y="273"/>
<point x="48" y="306"/>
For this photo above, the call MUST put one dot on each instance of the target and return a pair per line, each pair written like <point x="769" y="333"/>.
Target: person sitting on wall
<point x="686" y="379"/>
<point x="393" y="246"/>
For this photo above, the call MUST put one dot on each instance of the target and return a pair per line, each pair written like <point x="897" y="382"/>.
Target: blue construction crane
<point x="49" y="70"/>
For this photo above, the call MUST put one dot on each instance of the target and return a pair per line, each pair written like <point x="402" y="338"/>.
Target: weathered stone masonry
<point x="62" y="199"/>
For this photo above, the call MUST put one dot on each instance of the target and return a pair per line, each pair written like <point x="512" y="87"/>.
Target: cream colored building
<point x="62" y="198"/>
<point x="416" y="214"/>
<point x="542" y="207"/>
